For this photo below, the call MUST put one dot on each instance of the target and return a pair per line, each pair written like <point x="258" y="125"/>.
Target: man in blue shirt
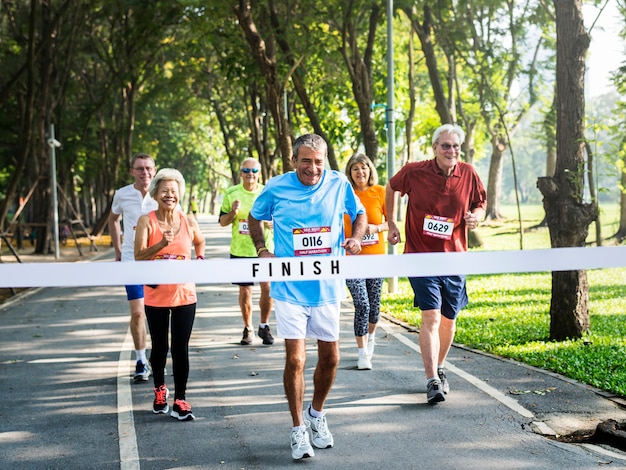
<point x="307" y="207"/>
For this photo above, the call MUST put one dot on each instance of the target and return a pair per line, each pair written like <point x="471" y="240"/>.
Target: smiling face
<point x="447" y="151"/>
<point x="167" y="194"/>
<point x="249" y="178"/>
<point x="143" y="170"/>
<point x="360" y="174"/>
<point x="309" y="165"/>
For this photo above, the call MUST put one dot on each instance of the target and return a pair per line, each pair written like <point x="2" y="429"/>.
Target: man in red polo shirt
<point x="445" y="198"/>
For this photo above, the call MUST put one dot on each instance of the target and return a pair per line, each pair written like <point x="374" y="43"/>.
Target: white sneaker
<point x="320" y="435"/>
<point x="364" y="363"/>
<point x="300" y="447"/>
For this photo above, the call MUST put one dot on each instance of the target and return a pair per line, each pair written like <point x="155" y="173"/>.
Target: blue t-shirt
<point x="302" y="213"/>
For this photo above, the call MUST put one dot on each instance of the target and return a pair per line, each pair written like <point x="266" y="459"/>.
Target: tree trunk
<point x="567" y="216"/>
<point x="424" y="32"/>
<point x="360" y="71"/>
<point x="494" y="183"/>
<point x="266" y="60"/>
<point x="301" y="90"/>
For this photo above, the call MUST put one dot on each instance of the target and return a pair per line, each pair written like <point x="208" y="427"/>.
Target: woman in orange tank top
<point x="167" y="234"/>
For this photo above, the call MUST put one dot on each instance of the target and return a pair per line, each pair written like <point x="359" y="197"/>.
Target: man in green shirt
<point x="235" y="208"/>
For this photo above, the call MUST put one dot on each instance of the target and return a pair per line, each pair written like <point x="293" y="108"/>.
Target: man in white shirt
<point x="129" y="203"/>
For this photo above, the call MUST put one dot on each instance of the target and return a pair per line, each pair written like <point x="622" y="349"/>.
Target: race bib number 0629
<point x="438" y="227"/>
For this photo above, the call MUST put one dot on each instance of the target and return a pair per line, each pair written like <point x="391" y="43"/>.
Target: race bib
<point x="438" y="227"/>
<point x="170" y="256"/>
<point x="244" y="229"/>
<point x="312" y="241"/>
<point x="369" y="239"/>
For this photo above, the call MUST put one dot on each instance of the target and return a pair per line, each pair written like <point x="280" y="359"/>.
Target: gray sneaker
<point x="265" y="335"/>
<point x="300" y="447"/>
<point x="320" y="435"/>
<point x="445" y="386"/>
<point x="247" y="337"/>
<point x="434" y="392"/>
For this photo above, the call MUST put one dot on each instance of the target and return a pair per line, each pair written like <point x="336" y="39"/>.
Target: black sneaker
<point x="265" y="335"/>
<point x="434" y="393"/>
<point x="248" y="336"/>
<point x="182" y="411"/>
<point x="160" y="400"/>
<point x="445" y="386"/>
<point x="142" y="372"/>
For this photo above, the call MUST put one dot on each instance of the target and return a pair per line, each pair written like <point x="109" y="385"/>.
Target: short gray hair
<point x="312" y="141"/>
<point x="167" y="174"/>
<point x="257" y="164"/>
<point x="451" y="129"/>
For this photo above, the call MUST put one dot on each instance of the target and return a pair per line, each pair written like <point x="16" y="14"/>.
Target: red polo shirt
<point x="437" y="204"/>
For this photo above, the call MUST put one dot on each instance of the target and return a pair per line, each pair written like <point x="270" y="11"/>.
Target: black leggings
<point x="182" y="324"/>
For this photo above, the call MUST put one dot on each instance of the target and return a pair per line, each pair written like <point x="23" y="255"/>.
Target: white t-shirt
<point x="128" y="202"/>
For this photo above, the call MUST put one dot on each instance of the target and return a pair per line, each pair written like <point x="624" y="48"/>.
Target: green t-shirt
<point x="241" y="242"/>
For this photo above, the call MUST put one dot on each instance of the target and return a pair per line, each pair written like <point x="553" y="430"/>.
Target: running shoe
<point x="320" y="435"/>
<point x="142" y="372"/>
<point x="434" y="392"/>
<point x="248" y="336"/>
<point x="445" y="386"/>
<point x="364" y="363"/>
<point x="300" y="447"/>
<point x="265" y="335"/>
<point x="160" y="400"/>
<point x="182" y="411"/>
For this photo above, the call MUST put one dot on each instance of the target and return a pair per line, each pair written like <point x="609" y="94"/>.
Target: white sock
<point x="362" y="352"/>
<point x="141" y="355"/>
<point x="313" y="412"/>
<point x="262" y="325"/>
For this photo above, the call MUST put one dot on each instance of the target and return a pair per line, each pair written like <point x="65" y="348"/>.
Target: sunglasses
<point x="450" y="146"/>
<point x="248" y="170"/>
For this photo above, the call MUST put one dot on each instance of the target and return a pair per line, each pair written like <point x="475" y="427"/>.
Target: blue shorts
<point x="134" y="292"/>
<point x="445" y="293"/>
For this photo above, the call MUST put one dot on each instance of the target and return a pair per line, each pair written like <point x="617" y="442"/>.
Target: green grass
<point x="509" y="314"/>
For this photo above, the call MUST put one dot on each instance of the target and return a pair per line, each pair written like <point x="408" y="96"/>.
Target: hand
<point x="393" y="236"/>
<point x="471" y="221"/>
<point x="235" y="207"/>
<point x="168" y="237"/>
<point x="352" y="246"/>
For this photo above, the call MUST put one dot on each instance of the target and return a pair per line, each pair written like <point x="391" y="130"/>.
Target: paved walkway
<point x="69" y="402"/>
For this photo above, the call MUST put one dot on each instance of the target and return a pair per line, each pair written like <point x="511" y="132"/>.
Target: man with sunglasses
<point x="235" y="208"/>
<point x="445" y="198"/>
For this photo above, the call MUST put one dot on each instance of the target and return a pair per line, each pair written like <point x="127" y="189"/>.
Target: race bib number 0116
<point x="312" y="241"/>
<point x="438" y="227"/>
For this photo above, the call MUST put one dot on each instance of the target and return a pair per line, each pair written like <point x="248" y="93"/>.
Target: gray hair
<point x="451" y="129"/>
<point x="257" y="164"/>
<point x="365" y="160"/>
<point x="312" y="141"/>
<point x="167" y="174"/>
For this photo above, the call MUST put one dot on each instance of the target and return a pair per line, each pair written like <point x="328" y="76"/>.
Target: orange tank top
<point x="170" y="295"/>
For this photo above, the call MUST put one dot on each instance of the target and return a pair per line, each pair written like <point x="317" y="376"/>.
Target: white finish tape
<point x="216" y="271"/>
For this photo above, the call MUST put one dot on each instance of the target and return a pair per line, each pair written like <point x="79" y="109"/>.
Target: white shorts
<point x="298" y="322"/>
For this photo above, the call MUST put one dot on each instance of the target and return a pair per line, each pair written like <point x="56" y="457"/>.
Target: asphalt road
<point x="69" y="401"/>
